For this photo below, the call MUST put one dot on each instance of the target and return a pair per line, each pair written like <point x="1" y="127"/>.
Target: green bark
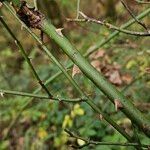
<point x="108" y="89"/>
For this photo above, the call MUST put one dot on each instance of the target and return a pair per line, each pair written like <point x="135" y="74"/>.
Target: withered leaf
<point x="114" y="77"/>
<point x="98" y="54"/>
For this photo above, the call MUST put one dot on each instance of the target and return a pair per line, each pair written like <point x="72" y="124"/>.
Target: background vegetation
<point x="124" y="61"/>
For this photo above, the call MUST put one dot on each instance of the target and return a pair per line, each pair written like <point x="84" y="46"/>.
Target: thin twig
<point x="91" y="142"/>
<point x="25" y="56"/>
<point x="133" y="16"/>
<point x="104" y="41"/>
<point x="108" y="25"/>
<point x="24" y="94"/>
<point x="48" y="53"/>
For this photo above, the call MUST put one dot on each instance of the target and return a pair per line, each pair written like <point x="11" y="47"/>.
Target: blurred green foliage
<point x="41" y="125"/>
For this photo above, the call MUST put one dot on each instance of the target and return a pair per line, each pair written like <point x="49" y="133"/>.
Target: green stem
<point x="113" y="94"/>
<point x="108" y="25"/>
<point x="28" y="102"/>
<point x="8" y="92"/>
<point x="115" y="33"/>
<point x="89" y="101"/>
<point x="26" y="57"/>
<point x="89" y="142"/>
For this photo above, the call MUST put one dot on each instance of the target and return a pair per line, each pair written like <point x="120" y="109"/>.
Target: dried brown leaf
<point x="115" y="77"/>
<point x="96" y="64"/>
<point x="127" y="78"/>
<point x="98" y="54"/>
<point x="147" y="70"/>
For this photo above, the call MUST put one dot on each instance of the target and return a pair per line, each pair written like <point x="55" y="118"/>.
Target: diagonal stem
<point x="107" y="88"/>
<point x="26" y="57"/>
<point x="88" y="101"/>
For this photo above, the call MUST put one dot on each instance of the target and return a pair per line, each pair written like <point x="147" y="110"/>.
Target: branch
<point x="113" y="94"/>
<point x="24" y="94"/>
<point x="97" y="78"/>
<point x="133" y="16"/>
<point x="96" y="46"/>
<point x="104" y="41"/>
<point x="108" y="25"/>
<point x="25" y="56"/>
<point x="89" y="101"/>
<point x="91" y="142"/>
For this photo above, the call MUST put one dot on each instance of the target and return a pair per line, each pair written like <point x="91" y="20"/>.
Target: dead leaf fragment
<point x="75" y="70"/>
<point x="1" y="94"/>
<point x="115" y="77"/>
<point x="127" y="78"/>
<point x="1" y="4"/>
<point x="96" y="64"/>
<point x="98" y="54"/>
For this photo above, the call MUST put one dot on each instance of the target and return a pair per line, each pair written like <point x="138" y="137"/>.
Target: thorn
<point x="30" y="58"/>
<point x="11" y="3"/>
<point x="1" y="94"/>
<point x="59" y="100"/>
<point x="118" y="104"/>
<point x="59" y="31"/>
<point x="22" y="26"/>
<point x="16" y="42"/>
<point x="101" y="117"/>
<point x="82" y="14"/>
